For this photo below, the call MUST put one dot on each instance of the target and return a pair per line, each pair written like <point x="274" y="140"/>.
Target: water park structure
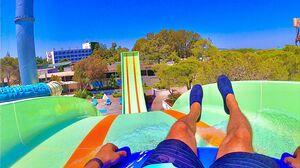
<point x="25" y="41"/>
<point x="67" y="131"/>
<point x="40" y="130"/>
<point x="297" y="26"/>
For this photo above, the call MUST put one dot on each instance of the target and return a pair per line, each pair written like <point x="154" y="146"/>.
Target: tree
<point x="158" y="47"/>
<point x="101" y="51"/>
<point x="119" y="70"/>
<point x="89" y="70"/>
<point x="94" y="45"/>
<point x="203" y="48"/>
<point x="80" y="74"/>
<point x="139" y="44"/>
<point x="40" y="61"/>
<point x="187" y="71"/>
<point x="61" y="68"/>
<point x="180" y="74"/>
<point x="9" y="68"/>
<point x="250" y="64"/>
<point x="173" y="57"/>
<point x="293" y="49"/>
<point x="64" y="60"/>
<point x="112" y="81"/>
<point x="166" y="75"/>
<point x="113" y="46"/>
<point x="116" y="55"/>
<point x="110" y="55"/>
<point x="185" y="41"/>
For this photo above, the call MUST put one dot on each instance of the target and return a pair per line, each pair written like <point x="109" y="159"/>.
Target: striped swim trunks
<point x="176" y="152"/>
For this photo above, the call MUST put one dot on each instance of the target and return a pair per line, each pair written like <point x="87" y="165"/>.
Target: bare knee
<point x="180" y="126"/>
<point x="240" y="140"/>
<point x="242" y="134"/>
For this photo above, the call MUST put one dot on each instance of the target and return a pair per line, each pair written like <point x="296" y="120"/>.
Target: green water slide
<point x="132" y="87"/>
<point x="30" y="128"/>
<point x="45" y="132"/>
<point x="272" y="107"/>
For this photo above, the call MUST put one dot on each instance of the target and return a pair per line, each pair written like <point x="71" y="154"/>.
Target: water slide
<point x="66" y="131"/>
<point x="132" y="87"/>
<point x="272" y="108"/>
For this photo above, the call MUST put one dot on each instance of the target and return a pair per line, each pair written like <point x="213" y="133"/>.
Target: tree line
<point x="196" y="60"/>
<point x="171" y="45"/>
<point x="94" y="67"/>
<point x="182" y="58"/>
<point x="9" y="69"/>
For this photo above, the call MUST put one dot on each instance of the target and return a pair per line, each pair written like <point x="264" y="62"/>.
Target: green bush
<point x="117" y="94"/>
<point x="89" y="97"/>
<point x="83" y="94"/>
<point x="99" y="95"/>
<point x="145" y="87"/>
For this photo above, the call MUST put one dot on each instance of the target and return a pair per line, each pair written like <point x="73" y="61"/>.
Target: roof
<point x="59" y="74"/>
<point x="60" y="64"/>
<point x="113" y="67"/>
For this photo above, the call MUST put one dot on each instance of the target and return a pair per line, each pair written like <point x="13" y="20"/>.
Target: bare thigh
<point x="181" y="131"/>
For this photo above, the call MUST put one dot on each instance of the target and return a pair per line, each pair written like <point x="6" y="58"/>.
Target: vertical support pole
<point x="25" y="41"/>
<point x="297" y="36"/>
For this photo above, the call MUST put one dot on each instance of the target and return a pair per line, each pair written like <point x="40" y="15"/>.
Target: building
<point x="148" y="75"/>
<point x="90" y="45"/>
<point x="87" y="45"/>
<point x="73" y="55"/>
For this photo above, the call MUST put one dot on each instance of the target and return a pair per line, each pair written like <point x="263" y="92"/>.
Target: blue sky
<point x="229" y="23"/>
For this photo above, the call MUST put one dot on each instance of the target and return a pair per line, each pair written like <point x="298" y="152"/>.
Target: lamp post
<point x="297" y="26"/>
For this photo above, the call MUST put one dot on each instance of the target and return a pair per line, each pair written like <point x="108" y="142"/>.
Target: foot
<point x="225" y="88"/>
<point x="196" y="96"/>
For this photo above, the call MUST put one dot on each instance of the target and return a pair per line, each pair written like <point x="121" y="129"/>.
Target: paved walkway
<point x="161" y="95"/>
<point x="114" y="108"/>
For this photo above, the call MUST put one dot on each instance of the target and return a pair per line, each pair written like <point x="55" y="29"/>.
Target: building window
<point x="151" y="73"/>
<point x="143" y="72"/>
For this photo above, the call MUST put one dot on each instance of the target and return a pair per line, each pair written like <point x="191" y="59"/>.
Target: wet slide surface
<point x="54" y="131"/>
<point x="133" y="94"/>
<point x="272" y="107"/>
<point x="27" y="125"/>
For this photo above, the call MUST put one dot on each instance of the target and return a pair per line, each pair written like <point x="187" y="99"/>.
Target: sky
<point x="260" y="24"/>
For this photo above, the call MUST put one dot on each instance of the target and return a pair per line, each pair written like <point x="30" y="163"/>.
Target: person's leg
<point x="239" y="132"/>
<point x="185" y="128"/>
<point x="180" y="146"/>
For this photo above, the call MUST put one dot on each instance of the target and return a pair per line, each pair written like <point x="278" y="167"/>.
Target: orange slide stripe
<point x="210" y="134"/>
<point x="135" y="85"/>
<point x="174" y="114"/>
<point x="128" y="89"/>
<point x="179" y="115"/>
<point x="91" y="143"/>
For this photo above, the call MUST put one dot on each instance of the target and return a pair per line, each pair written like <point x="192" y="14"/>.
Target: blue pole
<point x="25" y="41"/>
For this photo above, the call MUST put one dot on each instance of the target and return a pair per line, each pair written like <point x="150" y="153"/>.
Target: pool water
<point x="273" y="131"/>
<point x="151" y="136"/>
